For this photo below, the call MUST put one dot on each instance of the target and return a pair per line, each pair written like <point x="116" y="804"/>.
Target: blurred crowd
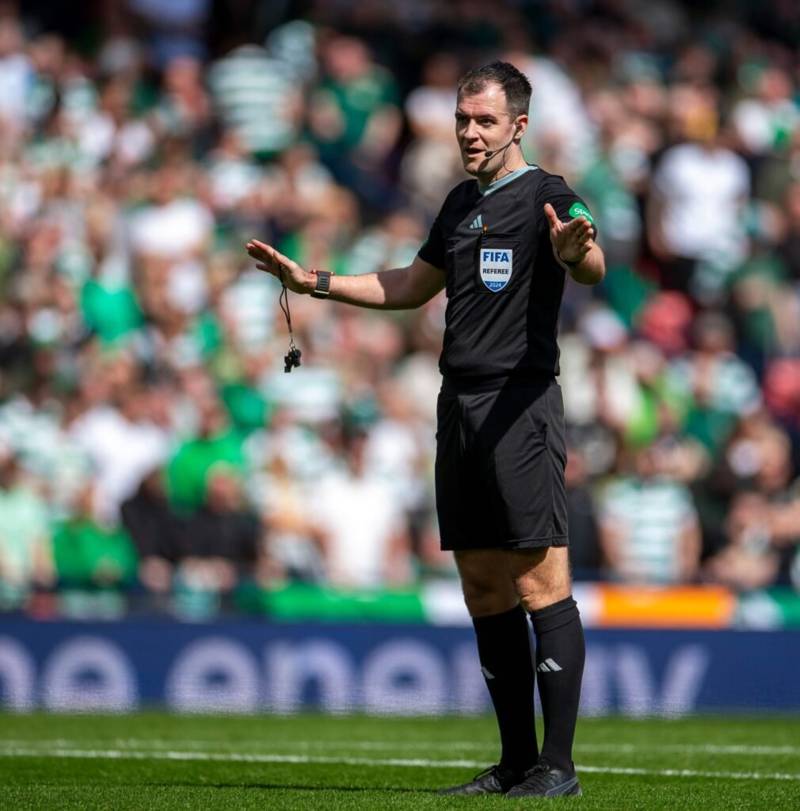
<point x="151" y="444"/>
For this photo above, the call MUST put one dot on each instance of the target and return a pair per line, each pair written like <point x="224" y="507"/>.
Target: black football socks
<point x="560" y="654"/>
<point x="504" y="649"/>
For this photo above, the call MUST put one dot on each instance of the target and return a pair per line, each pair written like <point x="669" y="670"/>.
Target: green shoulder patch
<point x="579" y="210"/>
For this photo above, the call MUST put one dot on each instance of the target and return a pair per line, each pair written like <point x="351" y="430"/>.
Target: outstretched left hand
<point x="572" y="240"/>
<point x="297" y="279"/>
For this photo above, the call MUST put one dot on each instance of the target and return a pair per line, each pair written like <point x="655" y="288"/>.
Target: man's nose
<point x="471" y="131"/>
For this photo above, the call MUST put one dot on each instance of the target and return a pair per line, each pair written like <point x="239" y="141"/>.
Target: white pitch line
<point x="623" y="748"/>
<point x="689" y="773"/>
<point x="704" y="748"/>
<point x="234" y="757"/>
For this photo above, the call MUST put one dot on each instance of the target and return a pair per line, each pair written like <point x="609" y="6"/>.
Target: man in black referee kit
<point x="500" y="247"/>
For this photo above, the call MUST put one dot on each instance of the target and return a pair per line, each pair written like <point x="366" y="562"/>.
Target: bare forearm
<point x="591" y="269"/>
<point x="396" y="289"/>
<point x="387" y="290"/>
<point x="689" y="552"/>
<point x="611" y="545"/>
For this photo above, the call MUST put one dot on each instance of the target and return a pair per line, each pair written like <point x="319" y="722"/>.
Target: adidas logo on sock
<point x="549" y="666"/>
<point x="477" y="223"/>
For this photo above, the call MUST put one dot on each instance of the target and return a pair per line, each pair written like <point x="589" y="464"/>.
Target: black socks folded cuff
<point x="554" y="616"/>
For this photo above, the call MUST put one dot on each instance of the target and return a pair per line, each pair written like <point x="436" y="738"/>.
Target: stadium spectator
<point x="215" y="444"/>
<point x="222" y="537"/>
<point x="92" y="558"/>
<point x="563" y="137"/>
<point x="766" y="117"/>
<point x="755" y="474"/>
<point x="184" y="110"/>
<point x="26" y="558"/>
<point x="118" y="435"/>
<point x="649" y="528"/>
<point x="355" y="119"/>
<point x="259" y="98"/>
<point x="156" y="531"/>
<point x="219" y="546"/>
<point x="110" y="132"/>
<point x="174" y="224"/>
<point x="294" y="538"/>
<point x="716" y="384"/>
<point x="431" y="164"/>
<point x="374" y="550"/>
<point x="696" y="229"/>
<point x="16" y="73"/>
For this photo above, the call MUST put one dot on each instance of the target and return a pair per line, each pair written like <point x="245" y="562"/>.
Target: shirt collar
<point x="505" y="180"/>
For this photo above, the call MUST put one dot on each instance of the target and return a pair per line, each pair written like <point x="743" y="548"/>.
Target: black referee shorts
<point x="500" y="459"/>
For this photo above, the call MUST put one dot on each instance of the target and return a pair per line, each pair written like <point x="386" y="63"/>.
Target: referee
<point x="500" y="247"/>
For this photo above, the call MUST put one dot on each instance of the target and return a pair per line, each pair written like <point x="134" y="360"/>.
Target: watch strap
<point x="322" y="289"/>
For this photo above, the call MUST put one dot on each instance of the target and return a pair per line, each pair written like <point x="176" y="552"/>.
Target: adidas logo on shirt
<point x="549" y="666"/>
<point x="477" y="223"/>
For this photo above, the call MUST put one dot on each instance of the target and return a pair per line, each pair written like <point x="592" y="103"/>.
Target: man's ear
<point x="520" y="125"/>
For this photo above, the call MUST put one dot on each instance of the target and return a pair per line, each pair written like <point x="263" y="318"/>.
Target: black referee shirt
<point x="503" y="283"/>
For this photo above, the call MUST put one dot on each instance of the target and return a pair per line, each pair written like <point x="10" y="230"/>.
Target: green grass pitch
<point x="160" y="761"/>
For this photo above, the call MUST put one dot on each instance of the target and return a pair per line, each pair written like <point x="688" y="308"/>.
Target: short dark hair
<point x="515" y="85"/>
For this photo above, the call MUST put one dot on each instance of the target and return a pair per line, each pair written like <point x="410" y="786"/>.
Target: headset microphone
<point x="492" y="152"/>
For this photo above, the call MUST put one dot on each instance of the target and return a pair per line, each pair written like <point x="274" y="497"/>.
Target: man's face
<point x="484" y="123"/>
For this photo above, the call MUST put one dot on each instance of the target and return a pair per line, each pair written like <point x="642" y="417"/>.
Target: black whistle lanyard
<point x="292" y="357"/>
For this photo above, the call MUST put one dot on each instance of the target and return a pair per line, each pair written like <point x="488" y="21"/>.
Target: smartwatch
<point x="323" y="286"/>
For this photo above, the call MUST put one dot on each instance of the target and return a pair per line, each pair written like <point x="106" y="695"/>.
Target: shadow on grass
<point x="291" y="787"/>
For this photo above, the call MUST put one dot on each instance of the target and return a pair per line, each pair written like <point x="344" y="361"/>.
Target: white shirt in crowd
<point x="360" y="517"/>
<point x="703" y="192"/>
<point x="123" y="453"/>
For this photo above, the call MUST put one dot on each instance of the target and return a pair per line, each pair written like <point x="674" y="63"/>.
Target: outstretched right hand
<point x="288" y="271"/>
